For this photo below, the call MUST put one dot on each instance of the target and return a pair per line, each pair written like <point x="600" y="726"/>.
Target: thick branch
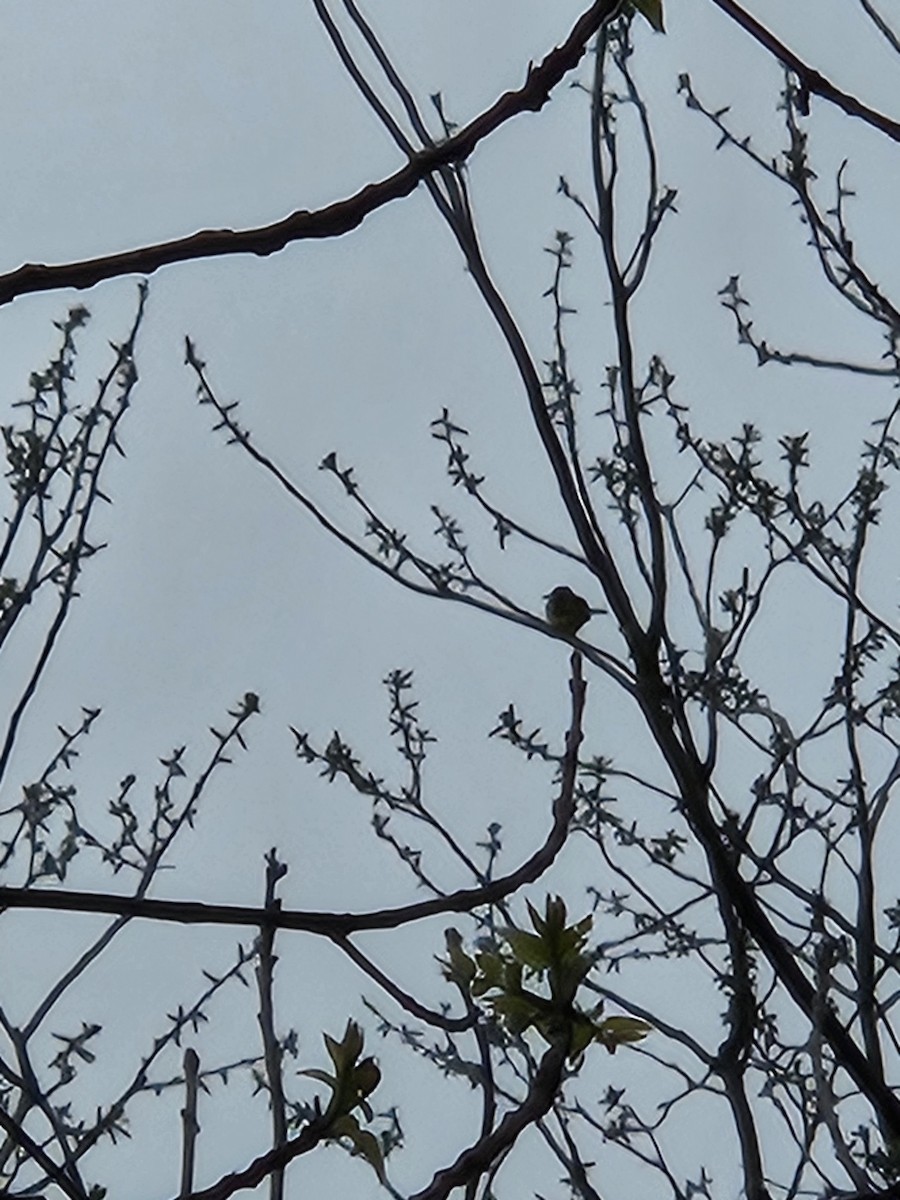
<point x="477" y="1159"/>
<point x="810" y="79"/>
<point x="337" y="218"/>
<point x="729" y="882"/>
<point x="261" y="1168"/>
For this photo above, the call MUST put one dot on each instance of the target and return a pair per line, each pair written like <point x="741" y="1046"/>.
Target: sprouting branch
<point x="338" y="925"/>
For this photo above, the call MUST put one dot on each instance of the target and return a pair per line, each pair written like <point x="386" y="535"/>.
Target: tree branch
<point x="335" y="219"/>
<point x="810" y="80"/>
<point x="338" y="925"/>
<point x="477" y="1159"/>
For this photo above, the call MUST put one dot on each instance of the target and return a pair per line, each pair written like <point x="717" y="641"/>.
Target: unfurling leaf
<point x="459" y="968"/>
<point x="362" y="1143"/>
<point x="353" y="1079"/>
<point x="619" y="1031"/>
<point x="652" y="10"/>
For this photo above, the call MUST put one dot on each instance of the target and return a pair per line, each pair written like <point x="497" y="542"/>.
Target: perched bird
<point x="566" y="611"/>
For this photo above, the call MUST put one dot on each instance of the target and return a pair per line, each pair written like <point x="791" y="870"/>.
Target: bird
<point x="566" y="611"/>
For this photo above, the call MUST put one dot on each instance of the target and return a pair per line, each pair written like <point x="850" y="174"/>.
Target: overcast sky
<point x="126" y="123"/>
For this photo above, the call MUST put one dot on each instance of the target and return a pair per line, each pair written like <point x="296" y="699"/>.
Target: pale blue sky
<point x="126" y="123"/>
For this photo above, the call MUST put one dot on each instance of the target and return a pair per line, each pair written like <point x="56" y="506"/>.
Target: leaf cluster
<point x="353" y="1081"/>
<point x="554" y="955"/>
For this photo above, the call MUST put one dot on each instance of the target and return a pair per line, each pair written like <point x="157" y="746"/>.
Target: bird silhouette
<point x="566" y="611"/>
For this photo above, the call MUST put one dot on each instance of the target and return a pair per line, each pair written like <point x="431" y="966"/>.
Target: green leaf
<point x="531" y="951"/>
<point x="619" y="1031"/>
<point x="583" y="1032"/>
<point x="495" y="972"/>
<point x="319" y="1076"/>
<point x="652" y="10"/>
<point x="366" y="1079"/>
<point x="536" y="919"/>
<point x="363" y="1143"/>
<point x="518" y="1012"/>
<point x="345" y="1052"/>
<point x="459" y="968"/>
<point x="352" y="1081"/>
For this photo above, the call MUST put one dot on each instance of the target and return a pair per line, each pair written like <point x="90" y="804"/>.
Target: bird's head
<point x="566" y="611"/>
